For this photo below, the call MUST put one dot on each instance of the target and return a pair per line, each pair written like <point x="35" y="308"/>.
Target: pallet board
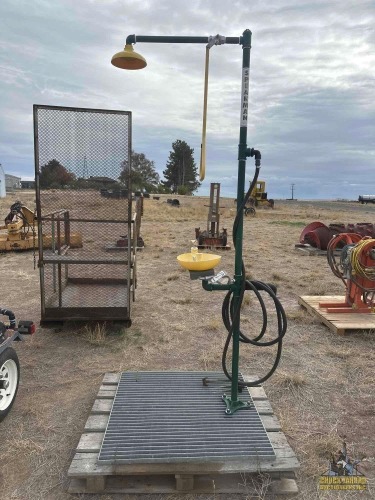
<point x="310" y="250"/>
<point x="340" y="323"/>
<point x="214" y="247"/>
<point x="210" y="247"/>
<point x="87" y="475"/>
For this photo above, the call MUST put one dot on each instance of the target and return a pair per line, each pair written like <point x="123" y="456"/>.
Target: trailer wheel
<point x="9" y="379"/>
<point x="250" y="211"/>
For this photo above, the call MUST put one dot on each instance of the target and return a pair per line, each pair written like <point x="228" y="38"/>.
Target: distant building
<point x="27" y="184"/>
<point x="12" y="182"/>
<point x="2" y="183"/>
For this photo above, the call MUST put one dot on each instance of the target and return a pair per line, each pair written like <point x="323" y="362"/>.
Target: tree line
<point x="180" y="174"/>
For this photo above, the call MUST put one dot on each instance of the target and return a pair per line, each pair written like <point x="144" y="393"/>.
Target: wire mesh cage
<point x="84" y="204"/>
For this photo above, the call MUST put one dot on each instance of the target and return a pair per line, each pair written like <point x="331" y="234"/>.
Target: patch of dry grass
<point x="277" y="276"/>
<point x="292" y="223"/>
<point x="24" y="275"/>
<point x="256" y="486"/>
<point x="298" y="315"/>
<point x="316" y="288"/>
<point x="214" y="324"/>
<point x="210" y="360"/>
<point x="182" y="300"/>
<point x="21" y="444"/>
<point x="247" y="300"/>
<point x="325" y="446"/>
<point x="26" y="197"/>
<point x="316" y="448"/>
<point x="289" y="381"/>
<point x="96" y="334"/>
<point x="173" y="277"/>
<point x="341" y="353"/>
<point x="191" y="209"/>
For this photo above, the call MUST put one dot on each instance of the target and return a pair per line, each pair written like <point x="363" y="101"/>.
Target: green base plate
<point x="233" y="406"/>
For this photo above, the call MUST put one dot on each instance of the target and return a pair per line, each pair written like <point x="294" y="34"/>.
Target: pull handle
<point x="202" y="166"/>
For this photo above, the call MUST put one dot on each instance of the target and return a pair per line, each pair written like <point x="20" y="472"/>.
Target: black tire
<point x="250" y="211"/>
<point x="9" y="366"/>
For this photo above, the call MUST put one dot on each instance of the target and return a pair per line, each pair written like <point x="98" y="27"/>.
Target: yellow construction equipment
<point x="258" y="197"/>
<point x="20" y="231"/>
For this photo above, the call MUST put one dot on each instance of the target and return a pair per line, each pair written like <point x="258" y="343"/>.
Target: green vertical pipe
<point x="246" y="45"/>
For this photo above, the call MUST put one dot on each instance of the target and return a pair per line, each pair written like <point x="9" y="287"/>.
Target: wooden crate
<point x="341" y="323"/>
<point x="89" y="476"/>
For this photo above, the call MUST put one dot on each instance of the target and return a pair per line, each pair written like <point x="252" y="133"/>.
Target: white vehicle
<point x="9" y="364"/>
<point x="366" y="198"/>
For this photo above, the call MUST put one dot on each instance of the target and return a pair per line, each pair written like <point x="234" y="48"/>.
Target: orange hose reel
<point x="356" y="269"/>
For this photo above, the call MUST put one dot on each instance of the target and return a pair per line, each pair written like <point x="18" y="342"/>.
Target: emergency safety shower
<point x="236" y="286"/>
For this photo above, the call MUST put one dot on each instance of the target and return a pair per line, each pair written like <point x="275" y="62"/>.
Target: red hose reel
<point x="356" y="268"/>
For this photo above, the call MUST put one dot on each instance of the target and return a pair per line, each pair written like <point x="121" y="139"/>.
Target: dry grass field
<point x="322" y="392"/>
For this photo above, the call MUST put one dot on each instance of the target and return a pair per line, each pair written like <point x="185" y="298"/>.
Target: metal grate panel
<point x="172" y="417"/>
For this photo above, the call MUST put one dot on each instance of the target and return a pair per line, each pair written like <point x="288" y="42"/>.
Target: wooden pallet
<point x="210" y="247"/>
<point x="214" y="247"/>
<point x="341" y="323"/>
<point x="310" y="250"/>
<point x="88" y="476"/>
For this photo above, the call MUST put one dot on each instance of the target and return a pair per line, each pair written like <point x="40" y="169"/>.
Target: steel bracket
<point x="233" y="406"/>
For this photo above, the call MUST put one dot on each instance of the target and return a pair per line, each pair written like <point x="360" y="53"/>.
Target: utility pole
<point x="292" y="188"/>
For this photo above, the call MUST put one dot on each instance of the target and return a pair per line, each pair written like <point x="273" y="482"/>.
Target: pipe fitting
<point x="255" y="152"/>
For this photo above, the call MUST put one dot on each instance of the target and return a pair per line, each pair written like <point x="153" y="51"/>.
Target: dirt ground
<point x="322" y="392"/>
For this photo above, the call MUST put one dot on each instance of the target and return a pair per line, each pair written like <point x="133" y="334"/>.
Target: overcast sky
<point x="312" y="84"/>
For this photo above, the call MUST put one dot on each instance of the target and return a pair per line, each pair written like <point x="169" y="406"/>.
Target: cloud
<point x="311" y="91"/>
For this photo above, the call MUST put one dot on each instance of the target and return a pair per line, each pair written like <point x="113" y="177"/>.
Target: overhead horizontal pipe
<point x="234" y="40"/>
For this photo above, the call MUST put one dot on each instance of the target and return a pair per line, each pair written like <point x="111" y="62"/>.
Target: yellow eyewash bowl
<point x="198" y="261"/>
